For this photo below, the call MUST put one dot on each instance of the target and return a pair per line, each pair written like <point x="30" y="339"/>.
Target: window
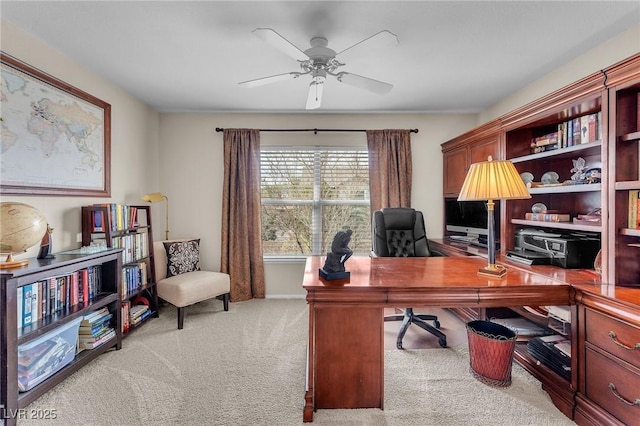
<point x="309" y="194"/>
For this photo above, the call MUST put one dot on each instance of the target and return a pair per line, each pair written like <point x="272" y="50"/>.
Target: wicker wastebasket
<point x="491" y="348"/>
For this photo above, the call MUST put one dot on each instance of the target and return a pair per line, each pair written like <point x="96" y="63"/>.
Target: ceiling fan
<point x="319" y="61"/>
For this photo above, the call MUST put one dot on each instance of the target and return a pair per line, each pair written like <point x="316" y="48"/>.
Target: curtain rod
<point x="315" y="131"/>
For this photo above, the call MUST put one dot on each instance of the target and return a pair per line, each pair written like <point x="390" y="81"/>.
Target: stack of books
<point x="554" y="351"/>
<point x="138" y="314"/>
<point x="95" y="329"/>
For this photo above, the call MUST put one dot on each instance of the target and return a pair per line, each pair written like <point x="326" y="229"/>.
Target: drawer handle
<point x="622" y="345"/>
<point x="615" y="393"/>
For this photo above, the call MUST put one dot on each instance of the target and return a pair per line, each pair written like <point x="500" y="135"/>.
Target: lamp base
<point x="493" y="270"/>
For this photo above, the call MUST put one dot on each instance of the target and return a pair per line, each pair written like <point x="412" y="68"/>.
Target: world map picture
<point x="51" y="138"/>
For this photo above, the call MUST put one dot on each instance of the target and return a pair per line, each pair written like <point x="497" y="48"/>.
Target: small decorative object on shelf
<point x="593" y="217"/>
<point x="578" y="170"/>
<point x="549" y="178"/>
<point x="593" y="175"/>
<point x="538" y="208"/>
<point x="527" y="178"/>
<point x="45" y="245"/>
<point x="340" y="252"/>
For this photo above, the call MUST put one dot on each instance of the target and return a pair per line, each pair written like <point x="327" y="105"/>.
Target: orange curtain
<point x="241" y="223"/>
<point x="390" y="168"/>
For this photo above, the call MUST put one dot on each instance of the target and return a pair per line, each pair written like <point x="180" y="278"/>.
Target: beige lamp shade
<point x="154" y="197"/>
<point x="493" y="180"/>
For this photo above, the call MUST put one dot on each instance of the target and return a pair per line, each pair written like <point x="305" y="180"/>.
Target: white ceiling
<point x="453" y="56"/>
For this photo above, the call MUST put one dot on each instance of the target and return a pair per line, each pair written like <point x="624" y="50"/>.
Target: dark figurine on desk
<point x="45" y="245"/>
<point x="340" y="252"/>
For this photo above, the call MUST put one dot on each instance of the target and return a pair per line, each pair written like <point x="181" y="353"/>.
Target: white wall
<point x="614" y="50"/>
<point x="134" y="138"/>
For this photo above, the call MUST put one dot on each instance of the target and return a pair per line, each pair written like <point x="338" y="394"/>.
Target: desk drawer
<point x="616" y="337"/>
<point x="613" y="385"/>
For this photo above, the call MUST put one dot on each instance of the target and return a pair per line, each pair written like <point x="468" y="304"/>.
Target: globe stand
<point x="10" y="262"/>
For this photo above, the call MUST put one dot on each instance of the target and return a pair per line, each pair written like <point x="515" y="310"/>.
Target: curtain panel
<point x="241" y="210"/>
<point x="390" y="168"/>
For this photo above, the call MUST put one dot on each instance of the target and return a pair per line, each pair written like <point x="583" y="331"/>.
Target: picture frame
<point x="56" y="138"/>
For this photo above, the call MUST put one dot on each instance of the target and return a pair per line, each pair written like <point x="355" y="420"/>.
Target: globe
<point x="21" y="227"/>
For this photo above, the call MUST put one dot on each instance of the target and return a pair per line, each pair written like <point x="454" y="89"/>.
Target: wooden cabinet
<point x="605" y="329"/>
<point x="565" y="120"/>
<point x="107" y="266"/>
<point x="624" y="174"/>
<point x="471" y="147"/>
<point x="609" y="360"/>
<point x="127" y="227"/>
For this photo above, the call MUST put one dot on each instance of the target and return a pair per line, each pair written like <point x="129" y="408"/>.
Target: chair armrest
<point x="437" y="254"/>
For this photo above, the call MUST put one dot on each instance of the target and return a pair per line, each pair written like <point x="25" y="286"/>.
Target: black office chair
<point x="400" y="232"/>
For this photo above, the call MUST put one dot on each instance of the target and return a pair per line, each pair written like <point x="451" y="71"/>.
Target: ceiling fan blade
<point x="314" y="97"/>
<point x="377" y="41"/>
<point x="375" y="86"/>
<point x="268" y="80"/>
<point x="280" y="43"/>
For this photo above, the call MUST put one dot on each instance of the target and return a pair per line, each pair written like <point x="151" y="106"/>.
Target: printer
<point x="567" y="250"/>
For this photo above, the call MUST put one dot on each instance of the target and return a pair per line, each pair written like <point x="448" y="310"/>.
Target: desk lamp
<point x="492" y="180"/>
<point x="154" y="197"/>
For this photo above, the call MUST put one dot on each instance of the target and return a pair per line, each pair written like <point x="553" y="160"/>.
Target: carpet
<point x="247" y="367"/>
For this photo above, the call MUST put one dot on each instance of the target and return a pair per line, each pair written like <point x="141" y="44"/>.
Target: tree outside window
<point x="309" y="194"/>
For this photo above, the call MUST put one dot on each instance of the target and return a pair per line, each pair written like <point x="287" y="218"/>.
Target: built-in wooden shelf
<point x="558" y="225"/>
<point x="564" y="189"/>
<point x="590" y="148"/>
<point x="630" y="137"/>
<point x="628" y="185"/>
<point x="630" y="231"/>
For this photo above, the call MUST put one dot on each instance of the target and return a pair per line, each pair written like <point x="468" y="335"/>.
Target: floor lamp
<point x="493" y="180"/>
<point x="154" y="197"/>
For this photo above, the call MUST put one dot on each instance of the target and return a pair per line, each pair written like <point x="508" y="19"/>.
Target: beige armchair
<point x="187" y="284"/>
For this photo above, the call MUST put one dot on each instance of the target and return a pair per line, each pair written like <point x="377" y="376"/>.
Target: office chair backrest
<point x="399" y="232"/>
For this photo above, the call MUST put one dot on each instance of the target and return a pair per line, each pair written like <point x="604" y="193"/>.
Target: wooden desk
<point x="345" y="367"/>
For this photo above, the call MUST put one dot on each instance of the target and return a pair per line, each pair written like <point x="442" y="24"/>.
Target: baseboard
<point x="285" y="296"/>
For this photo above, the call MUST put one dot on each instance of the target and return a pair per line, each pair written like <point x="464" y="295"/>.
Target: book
<point x="137" y="311"/>
<point x="19" y="303"/>
<point x="544" y="148"/>
<point x="577" y="138"/>
<point x="548" y="139"/>
<point x="86" y="337"/>
<point x="633" y="209"/>
<point x="104" y="338"/>
<point x="35" y="290"/>
<point x="94" y="316"/>
<point x="98" y="221"/>
<point x="26" y="305"/>
<point x="548" y="217"/>
<point x="585" y="130"/>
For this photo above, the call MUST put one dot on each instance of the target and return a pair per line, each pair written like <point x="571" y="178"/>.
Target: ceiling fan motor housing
<point x="320" y="57"/>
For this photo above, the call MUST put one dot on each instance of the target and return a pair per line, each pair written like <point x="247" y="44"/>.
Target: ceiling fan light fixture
<point x="314" y="96"/>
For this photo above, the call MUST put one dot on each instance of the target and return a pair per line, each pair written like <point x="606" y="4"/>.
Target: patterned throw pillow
<point x="182" y="257"/>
